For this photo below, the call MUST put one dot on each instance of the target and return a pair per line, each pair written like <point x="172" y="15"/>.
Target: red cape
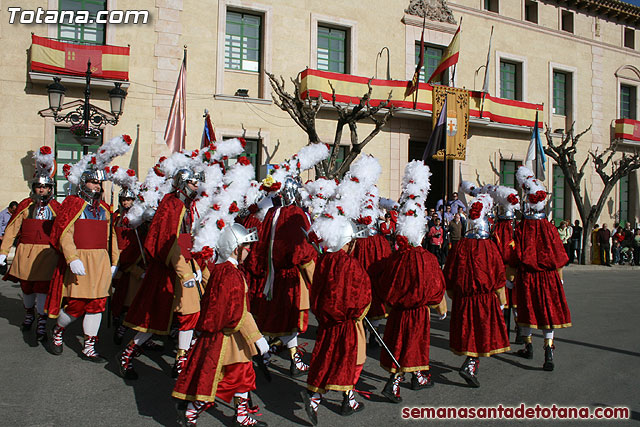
<point x="150" y="310"/>
<point x="340" y="295"/>
<point x="202" y="372"/>
<point x="474" y="271"/>
<point x="371" y="253"/>
<point x="411" y="281"/>
<point x="503" y="237"/>
<point x="538" y="246"/>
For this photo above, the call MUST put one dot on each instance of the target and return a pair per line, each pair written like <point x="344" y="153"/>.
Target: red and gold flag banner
<point x="53" y="56"/>
<point x="627" y="129"/>
<point x="350" y="88"/>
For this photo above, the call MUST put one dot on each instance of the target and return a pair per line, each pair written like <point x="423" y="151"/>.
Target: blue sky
<point x="634" y="2"/>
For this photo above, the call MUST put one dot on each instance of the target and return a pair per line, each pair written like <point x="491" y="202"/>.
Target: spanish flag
<point x="449" y="56"/>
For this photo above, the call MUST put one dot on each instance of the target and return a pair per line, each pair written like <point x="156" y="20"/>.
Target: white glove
<point x="3" y="260"/>
<point x="509" y="284"/>
<point x="77" y="267"/>
<point x="114" y="270"/>
<point x="442" y="316"/>
<point x="263" y="346"/>
<point x="198" y="276"/>
<point x="501" y="306"/>
<point x="189" y="283"/>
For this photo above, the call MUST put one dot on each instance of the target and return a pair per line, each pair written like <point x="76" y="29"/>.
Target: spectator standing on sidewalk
<point x="455" y="230"/>
<point x="604" y="239"/>
<point x="616" y="241"/>
<point x="436" y="238"/>
<point x="565" y="235"/>
<point x="576" y="238"/>
<point x="595" y="247"/>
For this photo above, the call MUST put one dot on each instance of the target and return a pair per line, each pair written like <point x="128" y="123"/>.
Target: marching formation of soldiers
<point x="232" y="267"/>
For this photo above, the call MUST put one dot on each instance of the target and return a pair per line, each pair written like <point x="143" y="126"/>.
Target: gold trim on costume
<point x="405" y="369"/>
<point x="472" y="354"/>
<point x="564" y="325"/>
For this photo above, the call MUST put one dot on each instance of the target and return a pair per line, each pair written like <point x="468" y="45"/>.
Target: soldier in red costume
<point x="475" y="283"/>
<point x="411" y="283"/>
<point x="541" y="256"/>
<point x="35" y="259"/>
<point x="284" y="262"/>
<point x="219" y="364"/>
<point x="81" y="282"/>
<point x="171" y="285"/>
<point x="340" y="298"/>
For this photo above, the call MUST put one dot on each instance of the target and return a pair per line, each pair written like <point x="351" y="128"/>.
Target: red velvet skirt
<point x="200" y="377"/>
<point x="541" y="300"/>
<point x="282" y="315"/>
<point x="408" y="336"/>
<point x="333" y="361"/>
<point x="236" y="378"/>
<point x="477" y="326"/>
<point x="34" y="287"/>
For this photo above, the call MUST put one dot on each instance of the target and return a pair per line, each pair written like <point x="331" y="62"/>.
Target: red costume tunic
<point x="253" y="281"/>
<point x="127" y="280"/>
<point x="371" y="253"/>
<point x="475" y="283"/>
<point x="287" y="311"/>
<point x="411" y="282"/>
<point x="340" y="298"/>
<point x="541" y="300"/>
<point x="503" y="236"/>
<point x="161" y="292"/>
<point x="204" y="369"/>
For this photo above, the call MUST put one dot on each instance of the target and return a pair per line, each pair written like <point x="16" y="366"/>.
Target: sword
<point x="311" y="240"/>
<point x="144" y="259"/>
<point x="375" y="333"/>
<point x="193" y="269"/>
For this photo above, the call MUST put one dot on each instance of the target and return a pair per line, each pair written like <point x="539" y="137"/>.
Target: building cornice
<point x="540" y="29"/>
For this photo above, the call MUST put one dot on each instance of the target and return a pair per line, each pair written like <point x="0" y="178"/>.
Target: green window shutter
<point x="82" y="33"/>
<point x="67" y="151"/>
<point x="627" y="102"/>
<point x="252" y="151"/>
<point x="242" y="42"/>
<point x="508" y="173"/>
<point x="332" y="49"/>
<point x="624" y="200"/>
<point x="508" y="80"/>
<point x="559" y="93"/>
<point x="557" y="195"/>
<point x="432" y="57"/>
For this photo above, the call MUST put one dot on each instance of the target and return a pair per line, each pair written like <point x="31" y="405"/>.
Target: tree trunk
<point x="587" y="229"/>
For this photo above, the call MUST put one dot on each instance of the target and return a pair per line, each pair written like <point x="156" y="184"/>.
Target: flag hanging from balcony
<point x="53" y="56"/>
<point x="175" y="134"/>
<point x="208" y="134"/>
<point x="449" y="57"/>
<point x="412" y="86"/>
<point x="438" y="139"/>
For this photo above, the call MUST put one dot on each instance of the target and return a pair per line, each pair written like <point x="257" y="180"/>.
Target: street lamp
<point x="86" y="120"/>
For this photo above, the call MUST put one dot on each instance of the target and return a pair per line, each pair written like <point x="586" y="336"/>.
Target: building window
<point x="252" y="150"/>
<point x="84" y="33"/>
<point x="567" y="21"/>
<point x="560" y="93"/>
<point x="558" y="196"/>
<point x="491" y="5"/>
<point x="432" y="57"/>
<point x="624" y="200"/>
<point x="629" y="38"/>
<point x="242" y="42"/>
<point x="531" y="11"/>
<point x="68" y="151"/>
<point x="332" y="49"/>
<point x="511" y="80"/>
<point x="628" y="102"/>
<point x="508" y="170"/>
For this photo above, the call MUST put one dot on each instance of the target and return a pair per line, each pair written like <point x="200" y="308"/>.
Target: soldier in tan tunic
<point x="35" y="259"/>
<point x="81" y="284"/>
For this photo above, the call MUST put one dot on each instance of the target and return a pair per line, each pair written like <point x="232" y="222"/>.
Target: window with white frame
<point x="92" y="32"/>
<point x="629" y="38"/>
<point x="491" y="5"/>
<point x="628" y="102"/>
<point x="333" y="49"/>
<point x="242" y="41"/>
<point x="566" y="21"/>
<point x="531" y="11"/>
<point x="510" y="80"/>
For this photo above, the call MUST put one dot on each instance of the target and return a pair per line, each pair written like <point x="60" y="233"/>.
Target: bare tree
<point x="304" y="113"/>
<point x="609" y="170"/>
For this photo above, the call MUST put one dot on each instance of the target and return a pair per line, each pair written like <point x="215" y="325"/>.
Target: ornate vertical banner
<point x="457" y="125"/>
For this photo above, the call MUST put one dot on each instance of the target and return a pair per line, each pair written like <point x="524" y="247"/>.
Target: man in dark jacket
<point x="604" y="240"/>
<point x="455" y="230"/>
<point x="575" y="240"/>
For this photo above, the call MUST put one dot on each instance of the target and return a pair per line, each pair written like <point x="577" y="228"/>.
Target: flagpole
<point x="446" y="169"/>
<point x="485" y="85"/>
<point x="184" y="140"/>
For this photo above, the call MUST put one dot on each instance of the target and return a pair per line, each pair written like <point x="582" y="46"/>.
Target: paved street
<point x="596" y="365"/>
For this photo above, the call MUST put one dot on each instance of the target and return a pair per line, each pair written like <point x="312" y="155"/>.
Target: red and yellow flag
<point x="449" y="57"/>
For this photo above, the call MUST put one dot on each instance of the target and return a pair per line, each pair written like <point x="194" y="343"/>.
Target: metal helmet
<point x="348" y="231"/>
<point x="185" y="176"/>
<point x="89" y="175"/>
<point x="290" y="191"/>
<point x="233" y="236"/>
<point x="42" y="180"/>
<point x="126" y="193"/>
<point x="478" y="229"/>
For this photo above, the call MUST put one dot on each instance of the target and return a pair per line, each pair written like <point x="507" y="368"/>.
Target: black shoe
<point x="415" y="383"/>
<point x="118" y="334"/>
<point x="387" y="391"/>
<point x="55" y="341"/>
<point x="313" y="415"/>
<point x="468" y="371"/>
<point x="96" y="358"/>
<point x="347" y="409"/>
<point x="294" y="370"/>
<point x="181" y="412"/>
<point x="526" y="352"/>
<point x="548" y="358"/>
<point x="126" y="369"/>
